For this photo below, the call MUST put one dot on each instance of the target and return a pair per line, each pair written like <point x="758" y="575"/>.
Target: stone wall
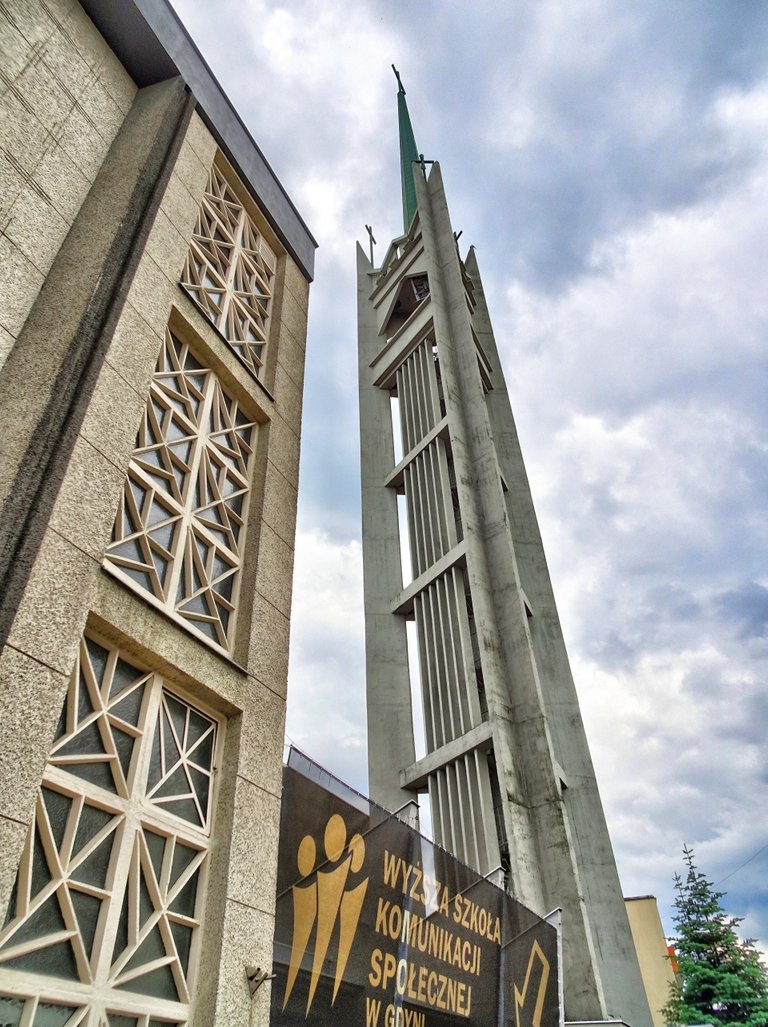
<point x="100" y="193"/>
<point x="63" y="97"/>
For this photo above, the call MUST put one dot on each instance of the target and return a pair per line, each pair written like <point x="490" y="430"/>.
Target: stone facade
<point x="104" y="171"/>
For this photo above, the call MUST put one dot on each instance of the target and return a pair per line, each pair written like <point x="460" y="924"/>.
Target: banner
<point x="378" y="927"/>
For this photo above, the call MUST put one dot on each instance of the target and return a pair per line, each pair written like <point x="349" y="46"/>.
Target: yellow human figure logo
<point x="528" y="1010"/>
<point x="324" y="902"/>
<point x="304" y="911"/>
<point x="351" y="906"/>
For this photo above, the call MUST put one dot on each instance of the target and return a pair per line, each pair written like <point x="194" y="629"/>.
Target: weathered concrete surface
<point x="388" y="690"/>
<point x="541" y="785"/>
<point x="87" y="328"/>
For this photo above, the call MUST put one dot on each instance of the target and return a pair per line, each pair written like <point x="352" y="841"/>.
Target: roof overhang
<point x="153" y="45"/>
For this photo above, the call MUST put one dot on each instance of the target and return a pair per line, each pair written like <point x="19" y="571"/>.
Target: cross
<point x="369" y="230"/>
<point x="423" y="164"/>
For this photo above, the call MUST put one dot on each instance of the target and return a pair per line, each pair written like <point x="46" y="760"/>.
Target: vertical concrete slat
<point x="443" y="656"/>
<point x="422" y="500"/>
<point x="431" y="707"/>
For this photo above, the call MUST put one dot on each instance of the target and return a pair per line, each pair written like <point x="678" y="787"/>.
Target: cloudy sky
<point x="609" y="160"/>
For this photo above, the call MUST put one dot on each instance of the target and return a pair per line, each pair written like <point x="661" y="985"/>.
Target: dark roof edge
<point x="153" y="45"/>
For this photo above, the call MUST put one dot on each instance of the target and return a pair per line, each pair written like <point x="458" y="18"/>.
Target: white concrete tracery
<point x="178" y="535"/>
<point x="229" y="272"/>
<point x="103" y="924"/>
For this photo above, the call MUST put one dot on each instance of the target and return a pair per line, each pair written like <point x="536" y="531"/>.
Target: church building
<point x="154" y="280"/>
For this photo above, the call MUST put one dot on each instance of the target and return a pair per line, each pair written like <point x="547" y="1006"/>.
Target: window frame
<point x="127" y="863"/>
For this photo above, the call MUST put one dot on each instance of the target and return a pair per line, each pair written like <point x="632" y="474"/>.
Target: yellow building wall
<point x="651" y="946"/>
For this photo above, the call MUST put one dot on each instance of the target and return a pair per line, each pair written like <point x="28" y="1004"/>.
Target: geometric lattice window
<point x="178" y="534"/>
<point x="180" y="768"/>
<point x="229" y="272"/>
<point x="103" y="920"/>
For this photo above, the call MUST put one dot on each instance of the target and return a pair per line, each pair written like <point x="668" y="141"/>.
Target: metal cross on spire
<point x="371" y="240"/>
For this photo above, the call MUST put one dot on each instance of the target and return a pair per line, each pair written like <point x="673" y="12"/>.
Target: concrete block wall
<point x="63" y="97"/>
<point x="68" y="465"/>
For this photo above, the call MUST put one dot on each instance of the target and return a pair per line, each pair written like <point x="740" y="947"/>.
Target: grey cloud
<point x="619" y="216"/>
<point x="747" y="608"/>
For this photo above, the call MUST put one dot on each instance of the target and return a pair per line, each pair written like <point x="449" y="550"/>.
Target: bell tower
<point x="507" y="765"/>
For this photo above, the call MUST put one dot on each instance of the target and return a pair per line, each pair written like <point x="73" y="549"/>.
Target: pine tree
<point x="721" y="980"/>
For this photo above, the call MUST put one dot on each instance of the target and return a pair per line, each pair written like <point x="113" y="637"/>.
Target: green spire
<point x="408" y="154"/>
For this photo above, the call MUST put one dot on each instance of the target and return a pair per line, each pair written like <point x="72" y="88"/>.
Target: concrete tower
<point x="507" y="765"/>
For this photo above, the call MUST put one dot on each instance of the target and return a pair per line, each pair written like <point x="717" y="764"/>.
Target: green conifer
<point x="721" y="980"/>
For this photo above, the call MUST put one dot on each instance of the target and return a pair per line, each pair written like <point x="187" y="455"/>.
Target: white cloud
<point x="645" y="471"/>
<point x="611" y="163"/>
<point x="326" y="704"/>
